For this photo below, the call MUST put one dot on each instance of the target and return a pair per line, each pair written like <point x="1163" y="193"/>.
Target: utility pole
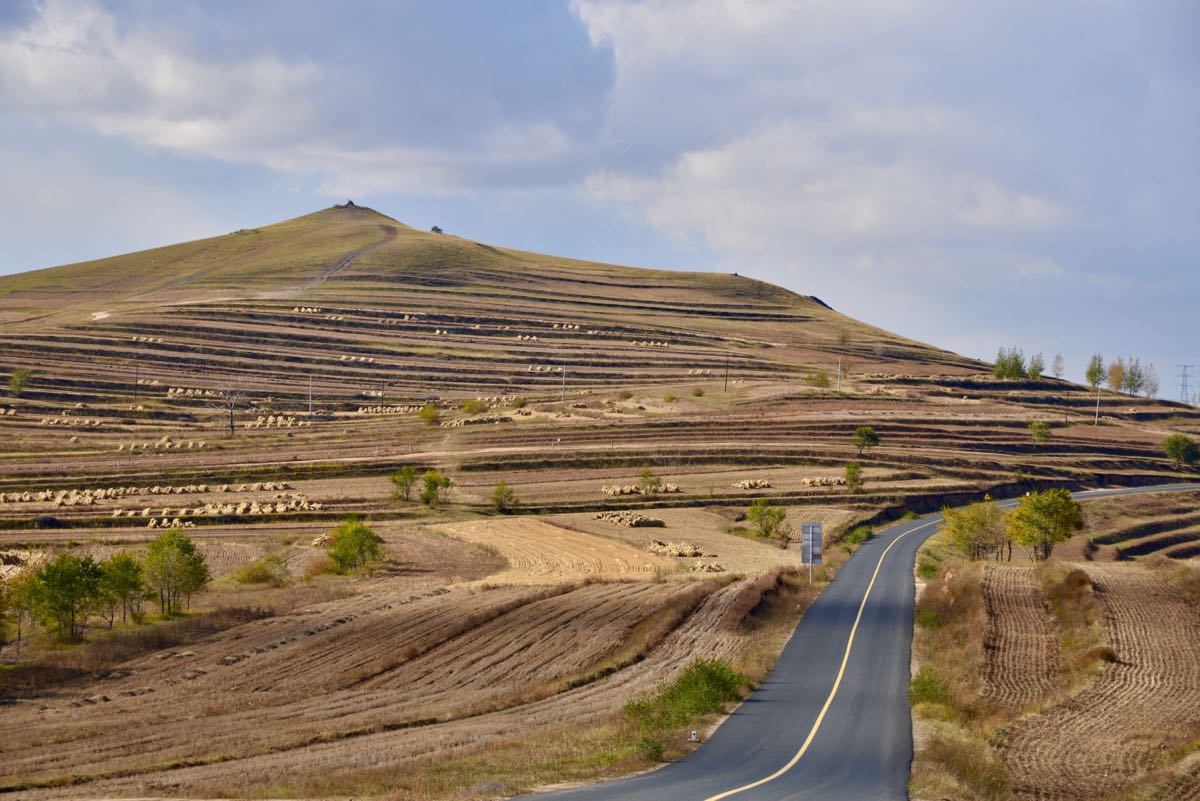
<point x="310" y="394"/>
<point x="1185" y="394"/>
<point x="839" y="374"/>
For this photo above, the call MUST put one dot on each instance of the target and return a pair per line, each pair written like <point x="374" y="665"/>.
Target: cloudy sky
<point x="972" y="174"/>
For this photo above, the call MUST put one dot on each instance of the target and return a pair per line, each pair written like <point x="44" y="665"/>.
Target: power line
<point x="1185" y="394"/>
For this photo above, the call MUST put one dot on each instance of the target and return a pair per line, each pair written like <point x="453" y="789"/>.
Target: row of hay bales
<point x="700" y="371"/>
<point x="645" y="343"/>
<point x="527" y="338"/>
<point x="630" y="519"/>
<point x="277" y="421"/>
<point x="638" y="489"/>
<point x="822" y="481"/>
<point x="335" y="317"/>
<point x="545" y="368"/>
<point x="88" y="496"/>
<point x="296" y="503"/>
<point x="149" y="382"/>
<point x="366" y="359"/>
<point x="752" y="483"/>
<point x="5" y="410"/>
<point x="307" y="310"/>
<point x="567" y="326"/>
<point x="188" y="392"/>
<point x="388" y="409"/>
<point x="66" y="420"/>
<point x="146" y="339"/>
<point x="166" y="444"/>
<point x="475" y="421"/>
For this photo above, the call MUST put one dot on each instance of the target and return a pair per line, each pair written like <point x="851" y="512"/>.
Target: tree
<point x="1037" y="366"/>
<point x="229" y="397"/>
<point x="1095" y="374"/>
<point x="20" y="378"/>
<point x="1135" y="376"/>
<point x="769" y="521"/>
<point x="1116" y="375"/>
<point x="854" y="476"/>
<point x="503" y="498"/>
<point x="865" y="437"/>
<point x="353" y="544"/>
<point x="429" y="413"/>
<point x="3" y="609"/>
<point x="1042" y="519"/>
<point x="402" y="482"/>
<point x="175" y="570"/>
<point x="1183" y="449"/>
<point x="649" y="481"/>
<point x="1095" y="371"/>
<point x="435" y="487"/>
<point x="977" y="530"/>
<point x="1059" y="367"/>
<point x="123" y="585"/>
<point x="1151" y="387"/>
<point x="22" y="600"/>
<point x="1039" y="430"/>
<point x="1009" y="364"/>
<point x="65" y="589"/>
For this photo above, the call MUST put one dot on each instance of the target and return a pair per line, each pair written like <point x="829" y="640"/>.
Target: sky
<point x="975" y="175"/>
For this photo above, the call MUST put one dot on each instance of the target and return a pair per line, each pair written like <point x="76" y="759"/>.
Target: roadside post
<point x="810" y="546"/>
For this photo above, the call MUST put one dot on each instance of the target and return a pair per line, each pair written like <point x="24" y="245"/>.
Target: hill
<point x="257" y="388"/>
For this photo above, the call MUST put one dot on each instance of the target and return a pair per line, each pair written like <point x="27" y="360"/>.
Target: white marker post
<point x="810" y="546"/>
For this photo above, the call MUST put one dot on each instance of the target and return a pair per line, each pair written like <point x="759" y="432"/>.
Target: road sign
<point x="810" y="544"/>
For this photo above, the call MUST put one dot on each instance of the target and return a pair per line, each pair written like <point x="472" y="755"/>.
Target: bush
<point x="319" y="566"/>
<point x="20" y="378"/>
<point x="927" y="688"/>
<point x="697" y="392"/>
<point x="1183" y="449"/>
<point x="520" y="402"/>
<point x="353" y="544"/>
<point x="434" y="488"/>
<point x="703" y="688"/>
<point x="429" y="413"/>
<point x="1039" y="430"/>
<point x="267" y="570"/>
<point x="854" y="476"/>
<point x="402" y="482"/>
<point x="769" y="521"/>
<point x="819" y="379"/>
<point x="855" y="537"/>
<point x="473" y="406"/>
<point x="927" y="570"/>
<point x="670" y="397"/>
<point x="625" y="394"/>
<point x="649" y="481"/>
<point x="504" y="500"/>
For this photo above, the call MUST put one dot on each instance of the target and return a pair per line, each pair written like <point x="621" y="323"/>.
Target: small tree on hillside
<point x="504" y="500"/>
<point x="429" y="413"/>
<point x="22" y="601"/>
<point x="122" y="586"/>
<point x="20" y="378"/>
<point x="854" y="480"/>
<point x="403" y="481"/>
<point x="175" y="570"/>
<point x="1151" y="382"/>
<point x="770" y="522"/>
<point x="1037" y="366"/>
<point x="1039" y="430"/>
<point x="865" y="437"/>
<point x="229" y="399"/>
<point x="1042" y="519"/>
<point x="1059" y="367"/>
<point x="1116" y="375"/>
<point x="1096" y="371"/>
<point x="353" y="544"/>
<point x="434" y="488"/>
<point x="66" y="588"/>
<point x="1010" y="364"/>
<point x="977" y="530"/>
<point x="1183" y="449"/>
<point x="1135" y="376"/>
<point x="649" y="482"/>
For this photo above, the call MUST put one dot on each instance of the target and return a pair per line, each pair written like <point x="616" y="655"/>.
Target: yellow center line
<point x="791" y="763"/>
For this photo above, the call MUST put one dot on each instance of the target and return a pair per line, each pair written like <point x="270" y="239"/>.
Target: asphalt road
<point x="832" y="720"/>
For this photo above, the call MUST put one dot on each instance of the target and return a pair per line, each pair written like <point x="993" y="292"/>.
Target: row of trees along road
<point x="1040" y="520"/>
<point x="1127" y="375"/>
<point x="69" y="592"/>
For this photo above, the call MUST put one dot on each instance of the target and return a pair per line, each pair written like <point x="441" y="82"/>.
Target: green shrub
<point x="927" y="688"/>
<point x="703" y="688"/>
<point x="928" y="619"/>
<point x="473" y="406"/>
<point x="697" y="392"/>
<point x="429" y="413"/>
<point x="19" y="379"/>
<point x="927" y="570"/>
<point x="670" y="397"/>
<point x="504" y="500"/>
<point x="520" y="402"/>
<point x="267" y="570"/>
<point x="819" y="379"/>
<point x="855" y="537"/>
<point x="353" y="544"/>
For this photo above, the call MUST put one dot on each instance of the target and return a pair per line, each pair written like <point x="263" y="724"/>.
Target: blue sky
<point x="974" y="175"/>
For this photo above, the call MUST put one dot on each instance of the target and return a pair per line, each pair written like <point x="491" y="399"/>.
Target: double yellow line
<point x="812" y="733"/>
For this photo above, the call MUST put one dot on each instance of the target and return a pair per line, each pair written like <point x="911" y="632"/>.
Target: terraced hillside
<point x="257" y="388"/>
<point x="326" y="332"/>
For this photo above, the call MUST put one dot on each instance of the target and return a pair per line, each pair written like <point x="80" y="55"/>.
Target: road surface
<point x="831" y="721"/>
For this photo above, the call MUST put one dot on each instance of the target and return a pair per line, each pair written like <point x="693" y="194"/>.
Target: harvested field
<point x="1112" y="733"/>
<point x="1021" y="643"/>
<point x="538" y="552"/>
<point x="1142" y="525"/>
